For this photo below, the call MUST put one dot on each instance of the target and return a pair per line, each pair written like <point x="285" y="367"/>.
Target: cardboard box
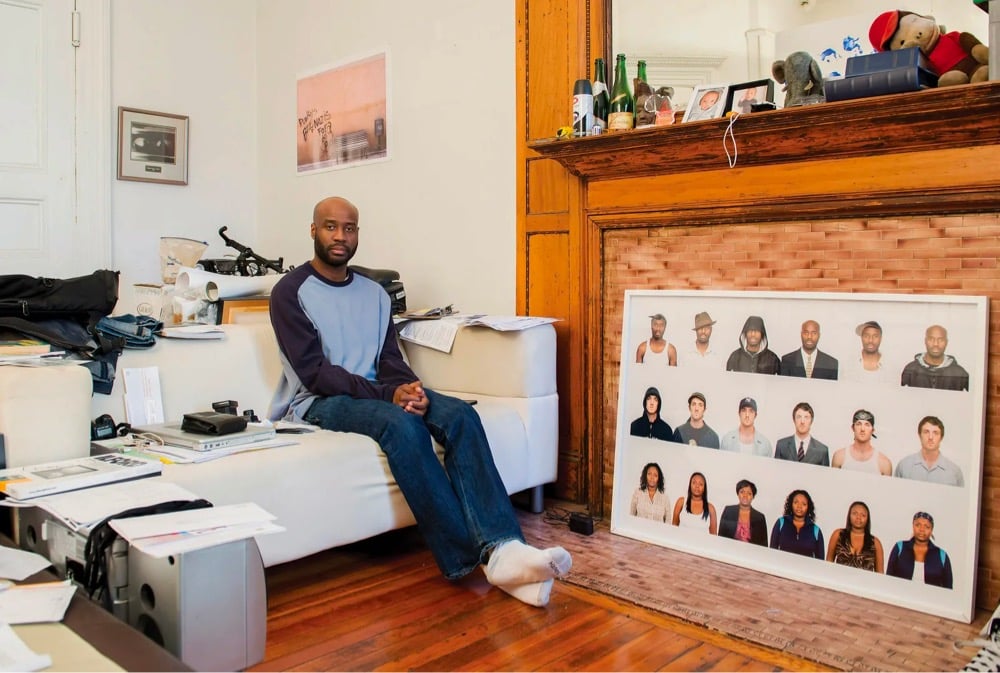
<point x="154" y="299"/>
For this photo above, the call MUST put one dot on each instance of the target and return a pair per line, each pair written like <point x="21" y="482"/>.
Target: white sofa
<point x="330" y="488"/>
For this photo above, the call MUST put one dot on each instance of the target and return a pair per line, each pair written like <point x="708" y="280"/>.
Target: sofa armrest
<point x="484" y="361"/>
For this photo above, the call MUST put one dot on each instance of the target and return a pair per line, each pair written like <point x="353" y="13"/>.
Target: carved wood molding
<point x="928" y="120"/>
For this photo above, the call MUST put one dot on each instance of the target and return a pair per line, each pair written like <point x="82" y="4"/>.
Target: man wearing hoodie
<point x="934" y="368"/>
<point x="753" y="355"/>
<point x="650" y="424"/>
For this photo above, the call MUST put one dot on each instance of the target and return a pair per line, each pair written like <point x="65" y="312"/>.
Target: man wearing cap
<point x="868" y="367"/>
<point x="649" y="424"/>
<point x="861" y="455"/>
<point x="696" y="432"/>
<point x="809" y="361"/>
<point x="701" y="353"/>
<point x="928" y="464"/>
<point x="934" y="368"/>
<point x="753" y="355"/>
<point x="656" y="350"/>
<point x="802" y="447"/>
<point x="745" y="439"/>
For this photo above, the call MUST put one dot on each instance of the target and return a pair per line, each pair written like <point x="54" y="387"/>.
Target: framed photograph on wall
<point x="753" y="427"/>
<point x="708" y="101"/>
<point x="152" y="146"/>
<point x="742" y="96"/>
<point x="342" y="115"/>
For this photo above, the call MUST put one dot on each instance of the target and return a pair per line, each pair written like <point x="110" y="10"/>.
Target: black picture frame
<point x="736" y="93"/>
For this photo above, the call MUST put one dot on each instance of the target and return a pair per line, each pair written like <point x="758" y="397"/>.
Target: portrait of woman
<point x="796" y="531"/>
<point x="695" y="511"/>
<point x="918" y="558"/>
<point x="742" y="522"/>
<point x="854" y="545"/>
<point x="649" y="501"/>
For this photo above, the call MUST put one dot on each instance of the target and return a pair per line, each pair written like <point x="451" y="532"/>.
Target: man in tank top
<point x="656" y="350"/>
<point x="861" y="455"/>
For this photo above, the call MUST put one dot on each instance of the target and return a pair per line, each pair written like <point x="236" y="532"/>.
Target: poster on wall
<point x="342" y="115"/>
<point x="833" y="439"/>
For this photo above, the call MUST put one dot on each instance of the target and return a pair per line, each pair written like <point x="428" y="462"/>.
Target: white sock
<point x="533" y="593"/>
<point x="514" y="562"/>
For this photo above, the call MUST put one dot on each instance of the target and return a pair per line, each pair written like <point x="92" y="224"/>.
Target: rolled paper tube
<point x="228" y="287"/>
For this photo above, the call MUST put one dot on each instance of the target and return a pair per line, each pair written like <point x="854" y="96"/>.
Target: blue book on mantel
<point x="886" y="60"/>
<point x="897" y="80"/>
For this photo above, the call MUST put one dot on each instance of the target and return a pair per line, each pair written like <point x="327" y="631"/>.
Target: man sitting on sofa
<point x="343" y="371"/>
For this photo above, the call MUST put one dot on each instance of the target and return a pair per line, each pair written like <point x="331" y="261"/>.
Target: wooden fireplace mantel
<point x="936" y="119"/>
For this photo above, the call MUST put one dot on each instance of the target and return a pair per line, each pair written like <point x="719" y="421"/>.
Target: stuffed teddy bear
<point x="956" y="58"/>
<point x="802" y="78"/>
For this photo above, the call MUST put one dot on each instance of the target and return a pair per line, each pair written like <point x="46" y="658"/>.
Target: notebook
<point x="172" y="434"/>
<point x="32" y="481"/>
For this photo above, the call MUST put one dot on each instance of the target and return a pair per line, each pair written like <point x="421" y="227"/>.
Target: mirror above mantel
<point x="690" y="42"/>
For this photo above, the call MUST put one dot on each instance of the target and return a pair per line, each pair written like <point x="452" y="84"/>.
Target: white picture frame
<point x="708" y="101"/>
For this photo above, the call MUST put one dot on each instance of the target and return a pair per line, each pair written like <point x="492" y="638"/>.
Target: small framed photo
<point x="743" y="96"/>
<point x="152" y="146"/>
<point x="708" y="101"/>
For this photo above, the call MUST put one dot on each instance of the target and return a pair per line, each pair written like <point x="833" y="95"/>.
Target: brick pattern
<point x="923" y="255"/>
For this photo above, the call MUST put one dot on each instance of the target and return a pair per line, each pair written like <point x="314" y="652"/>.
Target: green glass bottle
<point x="621" y="109"/>
<point x="601" y="99"/>
<point x="641" y="74"/>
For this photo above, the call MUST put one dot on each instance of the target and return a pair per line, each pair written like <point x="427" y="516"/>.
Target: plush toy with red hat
<point x="957" y="58"/>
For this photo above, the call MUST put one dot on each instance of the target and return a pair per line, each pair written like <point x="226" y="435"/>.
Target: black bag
<point x="213" y="423"/>
<point x="84" y="298"/>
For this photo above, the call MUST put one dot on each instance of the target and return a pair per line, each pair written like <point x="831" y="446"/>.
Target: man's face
<point x="652" y="405"/>
<point x="747" y="417"/>
<point x="753" y="339"/>
<point x="745" y="495"/>
<point x="862" y="431"/>
<point x="810" y="335"/>
<point x="697" y="409"/>
<point x="709" y="99"/>
<point x="930" y="437"/>
<point x="703" y="334"/>
<point x="871" y="340"/>
<point x="803" y="421"/>
<point x="335" y="232"/>
<point x="936" y="341"/>
<point x="657" y="327"/>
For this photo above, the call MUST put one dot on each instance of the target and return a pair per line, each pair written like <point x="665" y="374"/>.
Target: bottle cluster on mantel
<point x="614" y="109"/>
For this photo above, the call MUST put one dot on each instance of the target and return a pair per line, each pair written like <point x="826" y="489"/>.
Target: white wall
<point x="441" y="211"/>
<point x="197" y="59"/>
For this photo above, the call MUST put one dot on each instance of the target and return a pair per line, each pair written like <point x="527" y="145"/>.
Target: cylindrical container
<point x="601" y="98"/>
<point x="583" y="107"/>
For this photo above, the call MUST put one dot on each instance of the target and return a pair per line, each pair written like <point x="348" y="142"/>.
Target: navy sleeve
<point x="301" y="346"/>
<point x="392" y="368"/>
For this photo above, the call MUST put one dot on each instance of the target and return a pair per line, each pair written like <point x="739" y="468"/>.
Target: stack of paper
<point x="198" y="331"/>
<point x="34" y="603"/>
<point x="16" y="656"/>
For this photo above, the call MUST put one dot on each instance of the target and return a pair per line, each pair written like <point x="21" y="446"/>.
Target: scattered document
<point x="162" y="535"/>
<point x="16" y="656"/>
<point x="33" y="360"/>
<point x="143" y="398"/>
<point x="436" y="334"/>
<point x="193" y="332"/>
<point x="428" y="313"/>
<point x="16" y="564"/>
<point x="509" y="323"/>
<point x="33" y="603"/>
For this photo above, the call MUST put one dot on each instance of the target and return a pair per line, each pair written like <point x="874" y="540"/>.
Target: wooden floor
<point x="383" y="605"/>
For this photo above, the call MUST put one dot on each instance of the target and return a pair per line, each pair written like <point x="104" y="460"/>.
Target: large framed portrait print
<point x="834" y="439"/>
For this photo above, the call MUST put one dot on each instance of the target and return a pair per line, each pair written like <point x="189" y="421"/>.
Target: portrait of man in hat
<point x="745" y="438"/>
<point x="696" y="431"/>
<point x="868" y="367"/>
<point x="861" y="455"/>
<point x="656" y="349"/>
<point x="700" y="352"/>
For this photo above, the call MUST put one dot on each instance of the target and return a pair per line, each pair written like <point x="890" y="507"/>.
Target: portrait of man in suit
<point x="801" y="446"/>
<point x="809" y="361"/>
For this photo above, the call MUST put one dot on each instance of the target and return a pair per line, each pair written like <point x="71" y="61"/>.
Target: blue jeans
<point x="462" y="510"/>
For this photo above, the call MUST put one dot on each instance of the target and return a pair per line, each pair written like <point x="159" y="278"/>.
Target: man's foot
<point x="533" y="593"/>
<point x="514" y="562"/>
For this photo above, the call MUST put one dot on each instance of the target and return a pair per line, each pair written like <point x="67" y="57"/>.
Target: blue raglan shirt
<point x="334" y="338"/>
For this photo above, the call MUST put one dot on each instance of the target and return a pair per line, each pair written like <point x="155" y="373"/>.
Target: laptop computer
<point x="172" y="434"/>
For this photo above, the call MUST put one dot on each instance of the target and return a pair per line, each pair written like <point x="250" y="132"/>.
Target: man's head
<point x="863" y="424"/>
<point x="334" y="231"/>
<point x="753" y="333"/>
<point x="802" y="416"/>
<point x="696" y="406"/>
<point x="708" y="99"/>
<point x="871" y="336"/>
<point x="748" y="412"/>
<point x="703" y="327"/>
<point x="809" y="335"/>
<point x="651" y="402"/>
<point x="930" y="429"/>
<point x="936" y="342"/>
<point x="657" y="325"/>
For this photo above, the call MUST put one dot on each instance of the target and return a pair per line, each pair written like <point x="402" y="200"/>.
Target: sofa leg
<point x="536" y="503"/>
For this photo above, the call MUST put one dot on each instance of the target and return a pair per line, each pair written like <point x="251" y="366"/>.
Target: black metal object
<point x="247" y="263"/>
